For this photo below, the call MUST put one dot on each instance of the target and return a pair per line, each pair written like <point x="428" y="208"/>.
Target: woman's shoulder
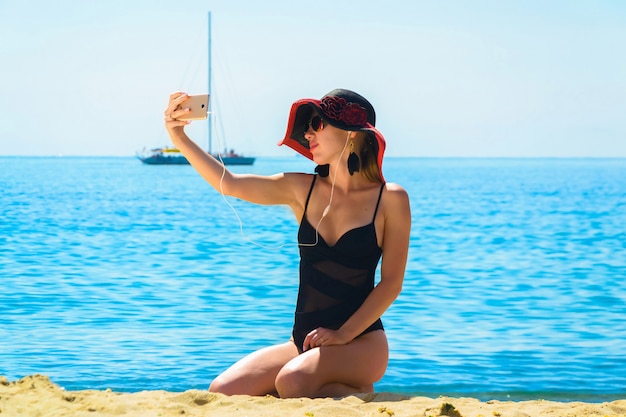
<point x="299" y="182"/>
<point x="395" y="196"/>
<point x="298" y="178"/>
<point x="395" y="190"/>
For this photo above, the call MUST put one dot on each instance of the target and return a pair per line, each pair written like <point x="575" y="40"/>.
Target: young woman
<point x="349" y="217"/>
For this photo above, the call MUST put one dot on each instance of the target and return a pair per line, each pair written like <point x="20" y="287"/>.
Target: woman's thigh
<point x="256" y="373"/>
<point x="355" y="365"/>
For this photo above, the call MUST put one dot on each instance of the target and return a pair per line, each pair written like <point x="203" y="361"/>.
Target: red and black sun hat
<point x="343" y="109"/>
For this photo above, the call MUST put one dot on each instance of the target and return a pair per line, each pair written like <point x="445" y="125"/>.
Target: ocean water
<point x="114" y="274"/>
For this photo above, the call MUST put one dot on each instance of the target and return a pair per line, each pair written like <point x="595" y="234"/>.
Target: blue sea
<point x="115" y="274"/>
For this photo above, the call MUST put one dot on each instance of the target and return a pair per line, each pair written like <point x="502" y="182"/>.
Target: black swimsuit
<point x="334" y="280"/>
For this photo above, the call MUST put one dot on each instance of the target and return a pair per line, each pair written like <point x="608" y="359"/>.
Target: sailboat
<point x="172" y="156"/>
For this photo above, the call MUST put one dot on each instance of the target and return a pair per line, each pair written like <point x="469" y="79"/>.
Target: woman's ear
<point x="352" y="135"/>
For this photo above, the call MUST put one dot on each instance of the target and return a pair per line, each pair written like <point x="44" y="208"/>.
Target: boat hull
<point x="161" y="159"/>
<point x="239" y="160"/>
<point x="164" y="160"/>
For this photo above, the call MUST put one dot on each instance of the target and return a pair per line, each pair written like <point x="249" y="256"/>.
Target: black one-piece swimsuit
<point x="334" y="280"/>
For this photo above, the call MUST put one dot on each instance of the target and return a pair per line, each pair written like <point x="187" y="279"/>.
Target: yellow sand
<point x="38" y="396"/>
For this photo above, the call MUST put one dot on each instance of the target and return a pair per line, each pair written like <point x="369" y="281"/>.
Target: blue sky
<point x="447" y="78"/>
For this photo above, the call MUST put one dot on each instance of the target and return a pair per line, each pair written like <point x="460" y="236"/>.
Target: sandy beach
<point x="37" y="395"/>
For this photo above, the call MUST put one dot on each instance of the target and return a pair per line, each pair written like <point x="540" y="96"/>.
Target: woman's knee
<point x="229" y="384"/>
<point x="294" y="383"/>
<point x="219" y="385"/>
<point x="291" y="382"/>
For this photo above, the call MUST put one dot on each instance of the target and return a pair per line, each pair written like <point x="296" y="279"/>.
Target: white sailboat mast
<point x="210" y="118"/>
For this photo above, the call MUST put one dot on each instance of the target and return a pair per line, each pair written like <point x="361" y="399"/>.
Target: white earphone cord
<point x="324" y="213"/>
<point x="330" y="200"/>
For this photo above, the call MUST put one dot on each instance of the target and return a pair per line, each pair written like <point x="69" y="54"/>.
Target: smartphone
<point x="199" y="105"/>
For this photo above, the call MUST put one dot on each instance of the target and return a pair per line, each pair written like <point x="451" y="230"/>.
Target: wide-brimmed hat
<point x="343" y="109"/>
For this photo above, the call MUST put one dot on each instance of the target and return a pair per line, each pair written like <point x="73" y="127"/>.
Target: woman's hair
<point x="368" y="152"/>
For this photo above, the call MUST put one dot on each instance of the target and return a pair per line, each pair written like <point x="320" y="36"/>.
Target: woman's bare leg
<point x="336" y="371"/>
<point x="256" y="373"/>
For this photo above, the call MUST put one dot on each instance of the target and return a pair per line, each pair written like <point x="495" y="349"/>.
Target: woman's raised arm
<point x="275" y="189"/>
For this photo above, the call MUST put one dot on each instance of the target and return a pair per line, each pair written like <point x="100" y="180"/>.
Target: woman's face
<point x="326" y="142"/>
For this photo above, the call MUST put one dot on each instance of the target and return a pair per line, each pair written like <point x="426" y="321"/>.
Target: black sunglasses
<point x="316" y="123"/>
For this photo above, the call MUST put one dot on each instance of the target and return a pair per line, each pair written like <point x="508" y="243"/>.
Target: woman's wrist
<point x="178" y="137"/>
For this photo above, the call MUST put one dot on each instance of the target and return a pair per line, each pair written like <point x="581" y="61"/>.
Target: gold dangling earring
<point x="354" y="163"/>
